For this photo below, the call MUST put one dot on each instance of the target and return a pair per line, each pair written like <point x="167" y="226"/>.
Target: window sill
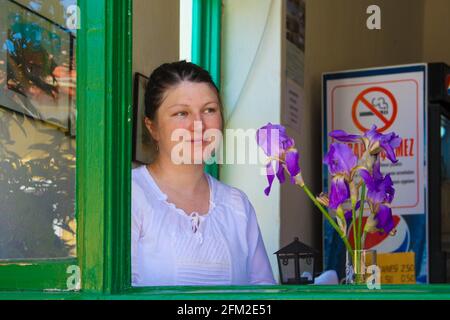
<point x="388" y="292"/>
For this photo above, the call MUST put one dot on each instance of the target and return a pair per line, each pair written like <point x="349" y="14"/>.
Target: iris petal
<point x="280" y="172"/>
<point x="274" y="141"/>
<point x="272" y="138"/>
<point x="348" y="214"/>
<point x="373" y="135"/>
<point x="385" y="221"/>
<point x="340" y="159"/>
<point x="341" y="135"/>
<point x="367" y="177"/>
<point x="270" y="176"/>
<point x="291" y="159"/>
<point x="389" y="189"/>
<point x="339" y="192"/>
<point x="379" y="189"/>
<point x="389" y="143"/>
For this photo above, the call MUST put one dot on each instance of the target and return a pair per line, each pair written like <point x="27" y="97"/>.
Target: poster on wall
<point x="37" y="67"/>
<point x="394" y="99"/>
<point x="295" y="62"/>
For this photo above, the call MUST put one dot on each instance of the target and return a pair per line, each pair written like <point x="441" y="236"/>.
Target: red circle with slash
<point x="361" y="98"/>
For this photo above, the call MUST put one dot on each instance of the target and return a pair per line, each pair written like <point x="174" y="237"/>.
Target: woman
<point x="187" y="227"/>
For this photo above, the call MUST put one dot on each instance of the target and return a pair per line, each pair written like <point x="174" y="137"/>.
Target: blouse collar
<point x="164" y="198"/>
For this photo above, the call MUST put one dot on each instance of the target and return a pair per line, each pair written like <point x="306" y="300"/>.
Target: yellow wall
<point x="156" y="33"/>
<point x="156" y="36"/>
<point x="436" y="43"/>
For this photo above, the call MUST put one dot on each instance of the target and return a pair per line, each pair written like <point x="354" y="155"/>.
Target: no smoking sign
<point x="394" y="99"/>
<point x="374" y="105"/>
<point x="394" y="102"/>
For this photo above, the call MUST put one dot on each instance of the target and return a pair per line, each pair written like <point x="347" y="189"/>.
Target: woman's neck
<point x="186" y="178"/>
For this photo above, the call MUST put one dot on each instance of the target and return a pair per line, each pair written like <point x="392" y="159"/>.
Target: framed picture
<point x="142" y="147"/>
<point x="37" y="66"/>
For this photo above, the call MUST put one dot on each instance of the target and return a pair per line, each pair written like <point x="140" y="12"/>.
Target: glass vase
<point x="356" y="264"/>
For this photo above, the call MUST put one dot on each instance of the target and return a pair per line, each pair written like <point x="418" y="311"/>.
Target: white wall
<point x="251" y="83"/>
<point x="185" y="30"/>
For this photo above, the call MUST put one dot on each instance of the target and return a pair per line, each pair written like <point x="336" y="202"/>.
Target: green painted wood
<point x="51" y="274"/>
<point x="104" y="112"/>
<point x="206" y="45"/>
<point x="92" y="88"/>
<point x="36" y="275"/>
<point x="104" y="159"/>
<point x="388" y="292"/>
<point x="119" y="133"/>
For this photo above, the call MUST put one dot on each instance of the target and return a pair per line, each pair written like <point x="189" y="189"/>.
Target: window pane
<point x="37" y="130"/>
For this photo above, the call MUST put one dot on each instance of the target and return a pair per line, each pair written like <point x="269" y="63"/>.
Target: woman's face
<point x="187" y="111"/>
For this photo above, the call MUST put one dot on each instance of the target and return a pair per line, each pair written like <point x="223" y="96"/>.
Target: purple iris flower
<point x="388" y="142"/>
<point x="278" y="146"/>
<point x="340" y="160"/>
<point x="273" y="139"/>
<point x="373" y="141"/>
<point x="383" y="221"/>
<point x="379" y="189"/>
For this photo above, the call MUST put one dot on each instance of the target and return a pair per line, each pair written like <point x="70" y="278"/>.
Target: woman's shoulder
<point x="138" y="180"/>
<point x="142" y="188"/>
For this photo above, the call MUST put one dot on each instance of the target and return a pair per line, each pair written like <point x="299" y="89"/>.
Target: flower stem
<point x="328" y="217"/>
<point x="356" y="239"/>
<point x="363" y="240"/>
<point x="361" y="210"/>
<point x="355" y="229"/>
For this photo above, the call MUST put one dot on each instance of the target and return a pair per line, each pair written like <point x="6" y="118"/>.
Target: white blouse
<point x="170" y="247"/>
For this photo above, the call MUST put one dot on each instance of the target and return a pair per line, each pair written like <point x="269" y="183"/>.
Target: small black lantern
<point x="296" y="263"/>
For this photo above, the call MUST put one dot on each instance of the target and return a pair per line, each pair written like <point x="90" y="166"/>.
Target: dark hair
<point x="168" y="75"/>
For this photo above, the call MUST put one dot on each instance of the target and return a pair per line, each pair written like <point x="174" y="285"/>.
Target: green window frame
<point x="103" y="198"/>
<point x="103" y="183"/>
<point x="206" y="46"/>
<point x="103" y="157"/>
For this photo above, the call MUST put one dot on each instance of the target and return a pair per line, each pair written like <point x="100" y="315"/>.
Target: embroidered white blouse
<point x="170" y="247"/>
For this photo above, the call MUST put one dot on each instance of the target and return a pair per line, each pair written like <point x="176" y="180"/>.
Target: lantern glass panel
<point x="306" y="263"/>
<point x="287" y="263"/>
